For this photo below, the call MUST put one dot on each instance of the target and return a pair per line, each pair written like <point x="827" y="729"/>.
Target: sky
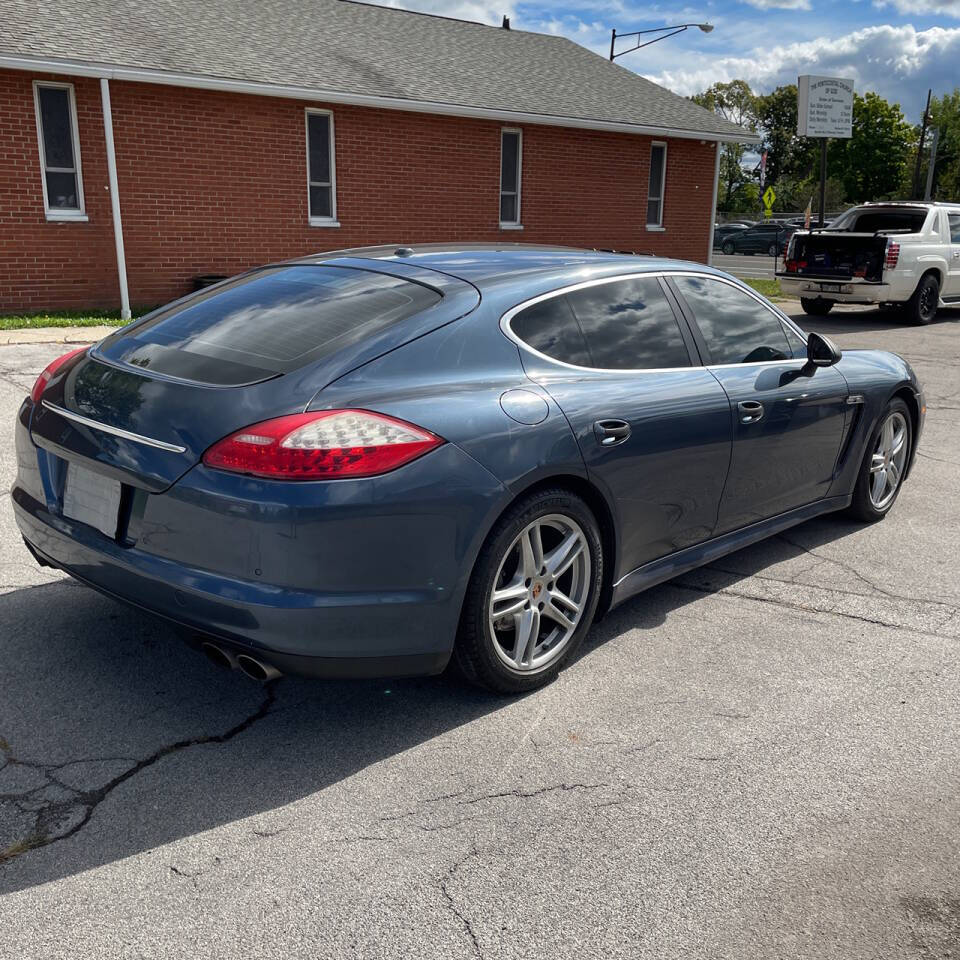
<point x="897" y="48"/>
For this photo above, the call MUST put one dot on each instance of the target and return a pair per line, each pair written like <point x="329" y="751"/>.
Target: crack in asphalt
<point x="452" y="904"/>
<point x="525" y="794"/>
<point x="725" y="591"/>
<point x="953" y="608"/>
<point x="62" y="818"/>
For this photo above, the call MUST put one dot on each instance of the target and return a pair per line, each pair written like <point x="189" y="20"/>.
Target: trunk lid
<point x="144" y="405"/>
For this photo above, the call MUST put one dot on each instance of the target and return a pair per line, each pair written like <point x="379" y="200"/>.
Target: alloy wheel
<point x="540" y="593"/>
<point x="888" y="461"/>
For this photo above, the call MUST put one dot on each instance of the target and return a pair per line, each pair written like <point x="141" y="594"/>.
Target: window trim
<point x="657" y="225"/>
<point x="518" y="223"/>
<point x="57" y="213"/>
<point x="330" y="221"/>
<point x="682" y="319"/>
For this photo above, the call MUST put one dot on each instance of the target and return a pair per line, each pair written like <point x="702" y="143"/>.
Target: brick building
<point x="142" y="145"/>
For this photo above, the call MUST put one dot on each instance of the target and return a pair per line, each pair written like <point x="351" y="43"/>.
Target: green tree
<point x="873" y="163"/>
<point x="734" y="101"/>
<point x="945" y="116"/>
<point x="787" y="154"/>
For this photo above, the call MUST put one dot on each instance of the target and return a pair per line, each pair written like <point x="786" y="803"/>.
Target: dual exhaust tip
<point x="253" y="668"/>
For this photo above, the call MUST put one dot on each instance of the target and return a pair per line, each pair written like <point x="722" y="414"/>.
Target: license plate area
<point x="92" y="498"/>
<point x="830" y="287"/>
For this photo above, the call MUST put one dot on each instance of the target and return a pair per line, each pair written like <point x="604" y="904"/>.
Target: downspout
<point x="713" y="204"/>
<point x="115" y="198"/>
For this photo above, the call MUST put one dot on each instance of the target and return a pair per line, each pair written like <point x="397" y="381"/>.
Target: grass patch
<point x="769" y="288"/>
<point x="66" y="318"/>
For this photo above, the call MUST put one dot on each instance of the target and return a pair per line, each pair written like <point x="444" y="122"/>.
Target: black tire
<point x="921" y="308"/>
<point x="772" y="250"/>
<point x="816" y="306"/>
<point x="862" y="507"/>
<point x="728" y="248"/>
<point x="474" y="653"/>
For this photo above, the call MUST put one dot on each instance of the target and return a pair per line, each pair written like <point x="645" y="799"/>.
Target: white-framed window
<point x="658" y="180"/>
<point x="321" y="169"/>
<point x="511" y="166"/>
<point x="59" y="142"/>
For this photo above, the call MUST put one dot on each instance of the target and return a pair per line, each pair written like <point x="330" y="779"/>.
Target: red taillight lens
<point x="893" y="253"/>
<point x="50" y="372"/>
<point x="326" y="445"/>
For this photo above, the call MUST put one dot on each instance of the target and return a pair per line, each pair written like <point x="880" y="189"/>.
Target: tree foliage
<point x="734" y="101"/>
<point x="945" y="116"/>
<point x="874" y="164"/>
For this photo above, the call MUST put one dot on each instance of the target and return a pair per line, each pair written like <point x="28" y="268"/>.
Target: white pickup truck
<point x="903" y="256"/>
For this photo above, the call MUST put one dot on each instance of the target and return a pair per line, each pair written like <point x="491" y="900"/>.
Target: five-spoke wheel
<point x="533" y="593"/>
<point x="539" y="592"/>
<point x="884" y="464"/>
<point x="888" y="461"/>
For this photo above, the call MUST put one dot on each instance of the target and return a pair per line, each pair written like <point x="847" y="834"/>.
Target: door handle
<point x="750" y="411"/>
<point x="611" y="432"/>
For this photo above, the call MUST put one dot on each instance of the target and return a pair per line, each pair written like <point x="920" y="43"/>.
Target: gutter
<point x="80" y="68"/>
<point x="713" y="204"/>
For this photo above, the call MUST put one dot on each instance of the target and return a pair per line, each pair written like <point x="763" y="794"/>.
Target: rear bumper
<point x="319" y="579"/>
<point x="850" y="291"/>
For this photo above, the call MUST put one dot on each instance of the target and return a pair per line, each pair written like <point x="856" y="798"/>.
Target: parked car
<point x="768" y="238"/>
<point x="370" y="462"/>
<point x="724" y="230"/>
<point x="902" y="256"/>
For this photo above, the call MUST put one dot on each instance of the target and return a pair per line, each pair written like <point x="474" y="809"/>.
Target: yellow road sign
<point x="768" y="197"/>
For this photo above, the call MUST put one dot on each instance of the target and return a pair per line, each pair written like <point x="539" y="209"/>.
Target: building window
<point x="59" y="150"/>
<point x="321" y="169"/>
<point x="511" y="158"/>
<point x="658" y="179"/>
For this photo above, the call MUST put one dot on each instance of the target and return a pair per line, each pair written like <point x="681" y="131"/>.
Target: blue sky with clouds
<point x="898" y="48"/>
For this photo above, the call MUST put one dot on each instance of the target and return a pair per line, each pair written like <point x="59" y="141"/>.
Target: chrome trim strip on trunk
<point x="114" y="431"/>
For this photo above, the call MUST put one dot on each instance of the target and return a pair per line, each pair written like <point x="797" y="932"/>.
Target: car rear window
<point x="272" y="321"/>
<point x="872" y="220"/>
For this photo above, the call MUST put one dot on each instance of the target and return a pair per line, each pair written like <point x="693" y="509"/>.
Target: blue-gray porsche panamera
<point x="368" y="462"/>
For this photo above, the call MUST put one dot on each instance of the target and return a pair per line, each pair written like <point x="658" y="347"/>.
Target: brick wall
<point x="215" y="182"/>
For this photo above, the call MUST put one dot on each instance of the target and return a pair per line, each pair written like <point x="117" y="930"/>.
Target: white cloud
<point x="913" y="8"/>
<point x="779" y="4"/>
<point x="899" y="63"/>
<point x="475" y="10"/>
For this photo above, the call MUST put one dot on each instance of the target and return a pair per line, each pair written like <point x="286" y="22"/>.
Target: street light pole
<point x="665" y="31"/>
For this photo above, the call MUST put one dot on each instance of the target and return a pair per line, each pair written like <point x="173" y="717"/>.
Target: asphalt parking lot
<point x="757" y="760"/>
<point x="757" y="266"/>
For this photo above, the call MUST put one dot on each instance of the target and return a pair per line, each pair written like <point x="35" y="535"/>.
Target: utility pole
<point x="823" y="180"/>
<point x="915" y="194"/>
<point x="934" y="137"/>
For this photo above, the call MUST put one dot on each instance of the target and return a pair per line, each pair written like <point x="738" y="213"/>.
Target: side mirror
<point x="821" y="351"/>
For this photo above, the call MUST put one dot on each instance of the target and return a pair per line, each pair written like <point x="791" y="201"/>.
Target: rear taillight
<point x="893" y="253"/>
<point x="326" y="445"/>
<point x="50" y="371"/>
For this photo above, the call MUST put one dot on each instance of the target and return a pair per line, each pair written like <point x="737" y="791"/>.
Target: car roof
<point x="482" y="264"/>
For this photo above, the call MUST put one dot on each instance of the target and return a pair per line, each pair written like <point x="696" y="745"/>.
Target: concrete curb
<point x="76" y="335"/>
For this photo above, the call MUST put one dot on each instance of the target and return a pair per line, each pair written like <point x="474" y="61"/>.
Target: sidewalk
<point x="55" y="335"/>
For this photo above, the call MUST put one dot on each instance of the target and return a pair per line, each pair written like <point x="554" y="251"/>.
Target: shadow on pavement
<point x="92" y="694"/>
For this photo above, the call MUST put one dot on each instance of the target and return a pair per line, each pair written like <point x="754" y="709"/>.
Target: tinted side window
<point x="737" y="328"/>
<point x="955" y="227"/>
<point x="551" y="328"/>
<point x="629" y="324"/>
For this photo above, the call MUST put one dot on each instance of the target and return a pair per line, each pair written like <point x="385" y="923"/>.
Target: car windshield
<point x="272" y="321"/>
<point x="910" y="219"/>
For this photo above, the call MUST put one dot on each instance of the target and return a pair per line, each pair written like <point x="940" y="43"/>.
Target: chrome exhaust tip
<point x="219" y="657"/>
<point x="256" y="670"/>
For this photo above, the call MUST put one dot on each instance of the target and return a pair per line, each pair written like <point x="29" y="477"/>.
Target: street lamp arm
<point x="663" y="31"/>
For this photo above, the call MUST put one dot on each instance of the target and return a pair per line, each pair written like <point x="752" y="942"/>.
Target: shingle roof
<point x="348" y="48"/>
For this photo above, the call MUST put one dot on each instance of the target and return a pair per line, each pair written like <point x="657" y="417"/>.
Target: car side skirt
<point x="666" y="568"/>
